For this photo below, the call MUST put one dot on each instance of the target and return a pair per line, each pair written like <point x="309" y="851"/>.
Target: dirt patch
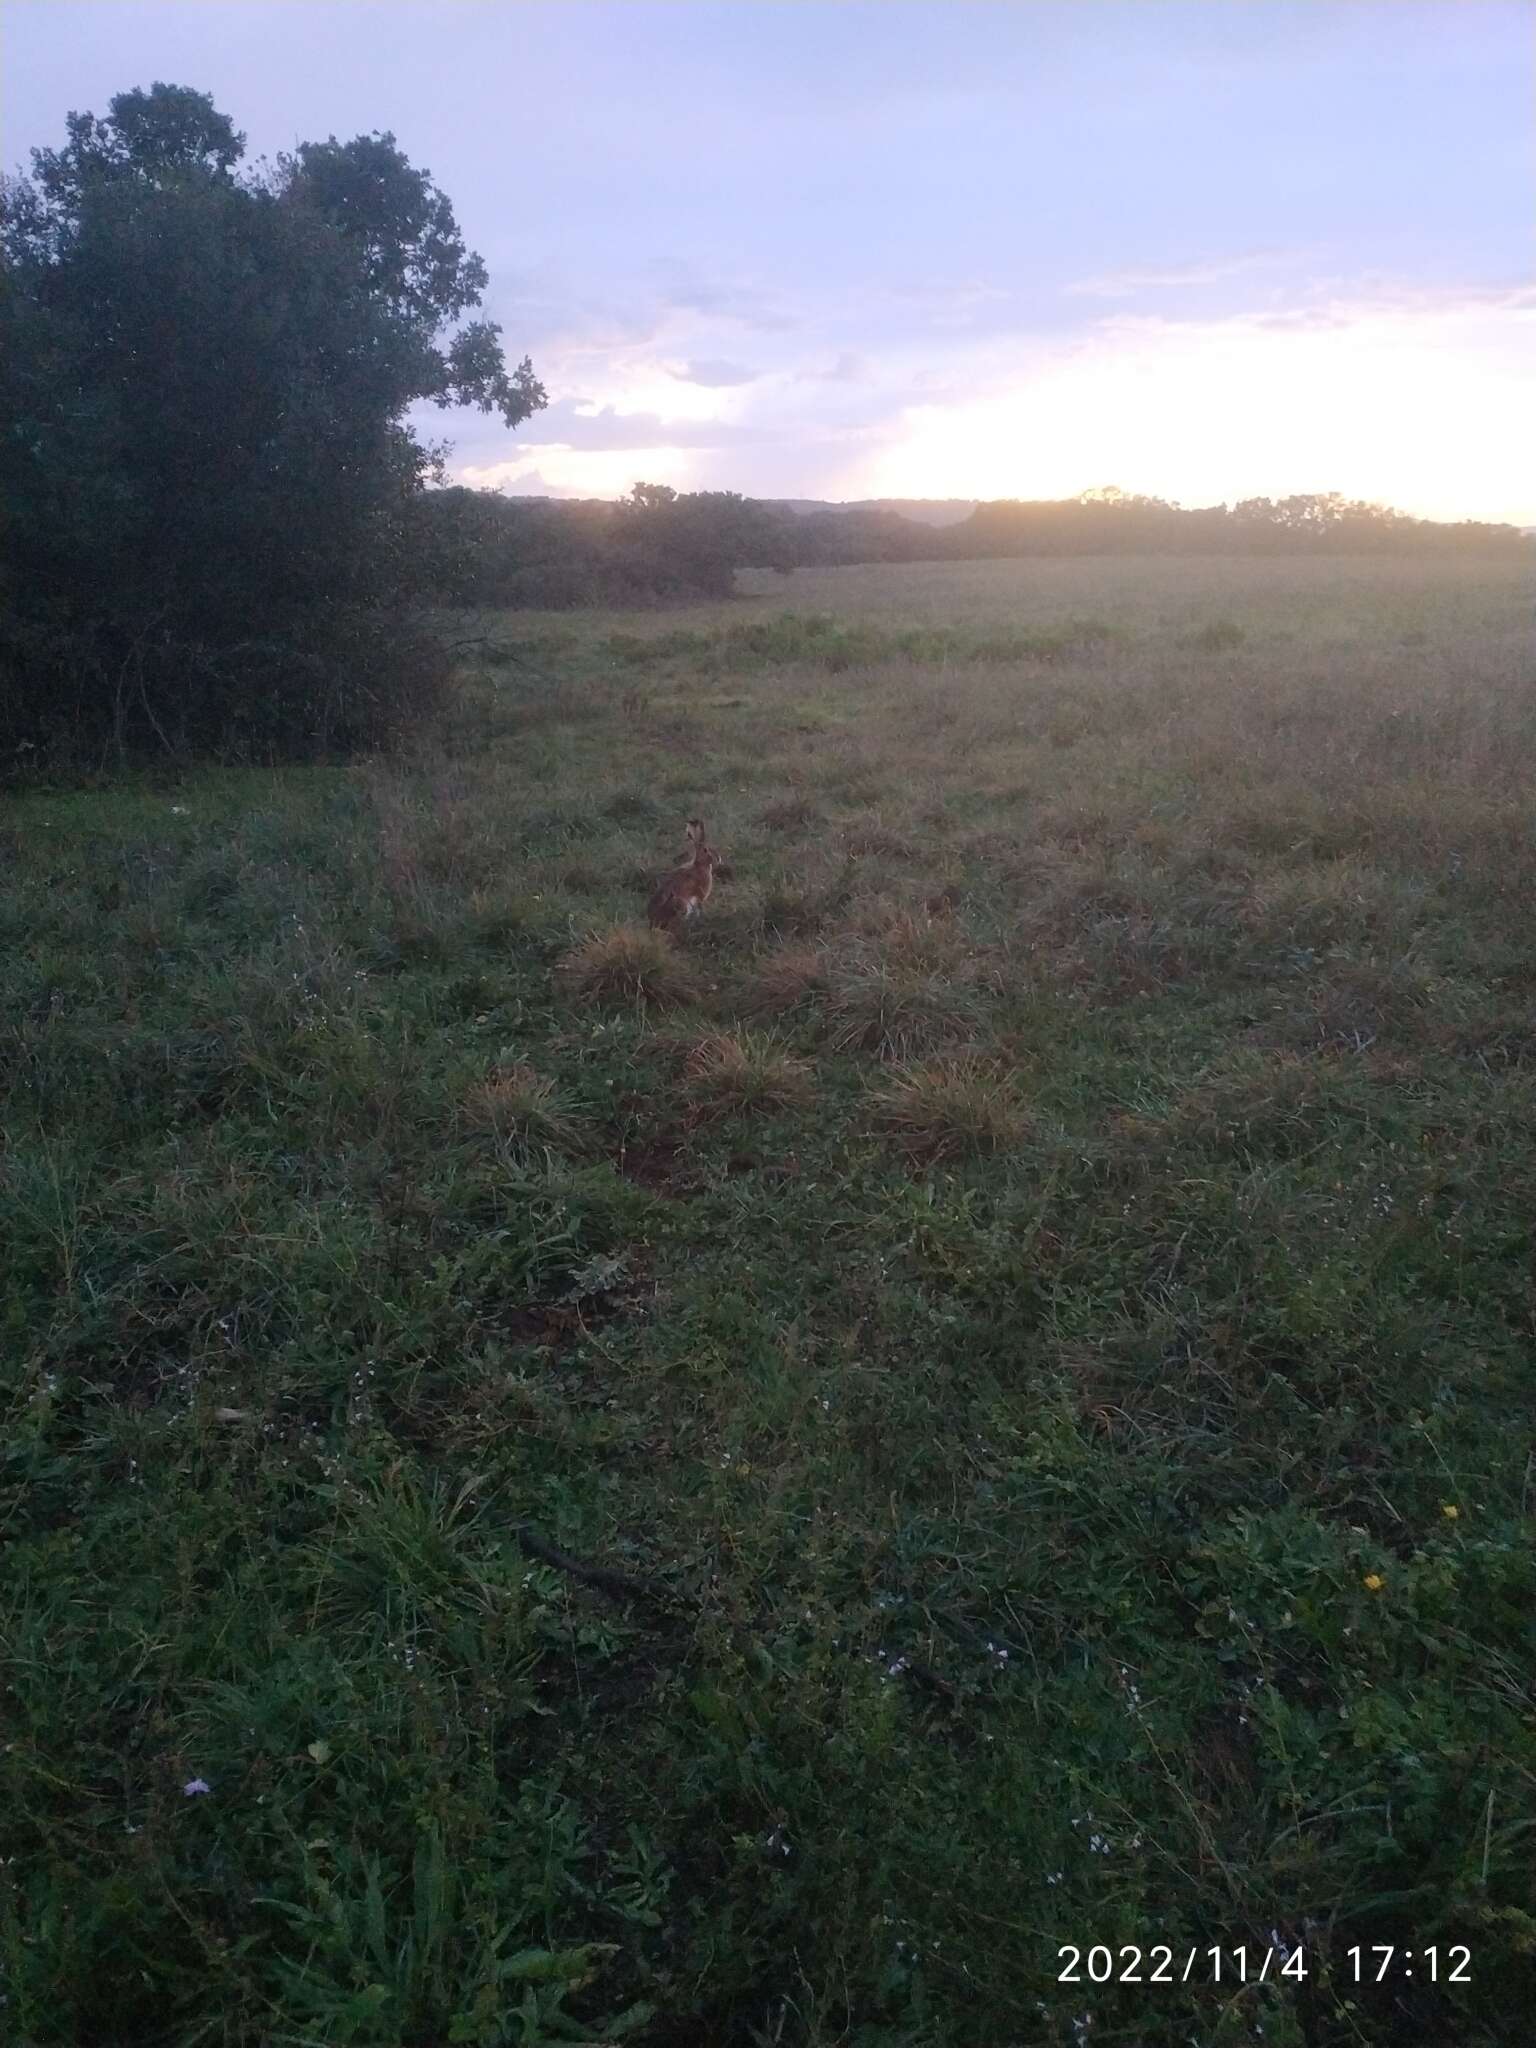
<point x="658" y="1164"/>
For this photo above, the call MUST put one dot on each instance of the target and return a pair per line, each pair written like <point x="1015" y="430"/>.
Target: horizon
<point x="962" y="507"/>
<point x="846" y="252"/>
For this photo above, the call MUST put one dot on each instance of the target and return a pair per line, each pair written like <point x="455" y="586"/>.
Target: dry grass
<point x="628" y="965"/>
<point x="945" y="1108"/>
<point x="732" y="1071"/>
<point x="908" y="934"/>
<point x="870" y="837"/>
<point x="524" y="1109"/>
<point x="791" y="814"/>
<point x="1329" y="902"/>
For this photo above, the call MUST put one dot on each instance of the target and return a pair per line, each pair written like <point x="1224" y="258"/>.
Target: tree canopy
<point x="205" y="460"/>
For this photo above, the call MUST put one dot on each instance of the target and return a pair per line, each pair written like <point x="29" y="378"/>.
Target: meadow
<point x="560" y="1486"/>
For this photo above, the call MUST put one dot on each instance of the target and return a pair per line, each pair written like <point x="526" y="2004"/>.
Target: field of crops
<point x="560" y="1486"/>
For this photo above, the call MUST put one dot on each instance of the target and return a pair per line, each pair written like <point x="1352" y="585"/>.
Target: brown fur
<point x="684" y="893"/>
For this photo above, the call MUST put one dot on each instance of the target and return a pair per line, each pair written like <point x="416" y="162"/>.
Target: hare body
<point x="683" y="894"/>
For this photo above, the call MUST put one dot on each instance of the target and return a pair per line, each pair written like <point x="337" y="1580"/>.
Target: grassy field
<point x="558" y="1487"/>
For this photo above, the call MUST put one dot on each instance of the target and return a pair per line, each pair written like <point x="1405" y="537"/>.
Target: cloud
<point x="743" y="304"/>
<point x="849" y="368"/>
<point x="968" y="291"/>
<point x="964" y="305"/>
<point x="570" y="424"/>
<point x="1125" y="284"/>
<point x="584" y="473"/>
<point x="715" y="376"/>
<point x="513" y="481"/>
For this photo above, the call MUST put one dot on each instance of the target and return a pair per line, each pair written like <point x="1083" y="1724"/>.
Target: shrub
<point x="656" y="546"/>
<point x="352" y="680"/>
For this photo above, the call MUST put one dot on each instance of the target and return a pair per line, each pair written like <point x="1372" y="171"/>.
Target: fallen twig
<point x="617" y="1585"/>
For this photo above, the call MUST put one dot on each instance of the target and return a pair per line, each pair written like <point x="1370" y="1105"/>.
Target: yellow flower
<point x="1374" y="1582"/>
<point x="1450" y="1511"/>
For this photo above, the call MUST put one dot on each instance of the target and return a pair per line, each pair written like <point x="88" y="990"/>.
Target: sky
<point x="1204" y="249"/>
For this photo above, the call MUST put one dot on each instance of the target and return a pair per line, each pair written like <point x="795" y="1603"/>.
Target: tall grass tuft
<point x="903" y="988"/>
<point x="743" y="1070"/>
<point x="628" y="965"/>
<point x="524" y="1109"/>
<point x="949" y="1107"/>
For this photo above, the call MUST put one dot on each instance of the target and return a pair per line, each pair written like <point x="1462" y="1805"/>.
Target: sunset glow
<point x="1432" y="409"/>
<point x="1200" y="251"/>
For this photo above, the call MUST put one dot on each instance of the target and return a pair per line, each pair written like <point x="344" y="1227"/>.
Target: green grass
<point x="1032" y="1294"/>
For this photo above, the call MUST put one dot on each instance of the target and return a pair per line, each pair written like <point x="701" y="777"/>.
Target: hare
<point x="683" y="894"/>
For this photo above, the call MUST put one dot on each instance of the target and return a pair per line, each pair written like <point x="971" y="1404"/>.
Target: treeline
<point x="653" y="547"/>
<point x="659" y="545"/>
<point x="1117" y="522"/>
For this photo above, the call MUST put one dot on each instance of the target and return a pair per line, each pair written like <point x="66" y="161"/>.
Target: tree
<point x="697" y="540"/>
<point x="205" y="466"/>
<point x="402" y="231"/>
